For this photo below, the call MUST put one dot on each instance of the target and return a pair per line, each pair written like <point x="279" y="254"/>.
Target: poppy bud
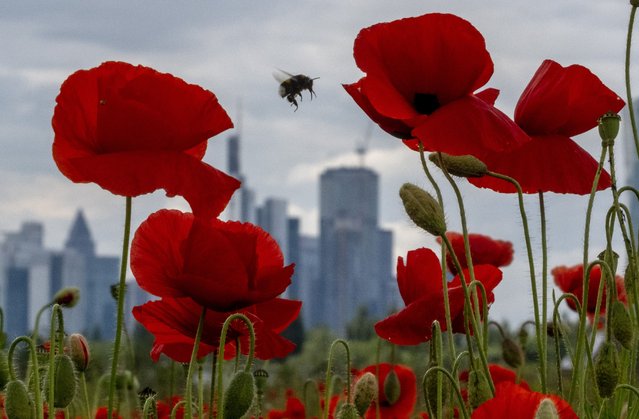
<point x="423" y="209"/>
<point x="17" y="402"/>
<point x="462" y="166"/>
<point x="621" y="324"/>
<point x="64" y="382"/>
<point x="239" y="395"/>
<point x="607" y="369"/>
<point x="4" y="370"/>
<point x="547" y="410"/>
<point x="365" y="392"/>
<point x="610" y="257"/>
<point x="478" y="388"/>
<point x="523" y="336"/>
<point x="512" y="353"/>
<point x="67" y="297"/>
<point x="347" y="411"/>
<point x="392" y="388"/>
<point x="79" y="350"/>
<point x="261" y="376"/>
<point x="609" y="126"/>
<point x="431" y="390"/>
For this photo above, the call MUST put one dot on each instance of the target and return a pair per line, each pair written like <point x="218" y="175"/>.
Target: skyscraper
<point x="355" y="256"/>
<point x="242" y="204"/>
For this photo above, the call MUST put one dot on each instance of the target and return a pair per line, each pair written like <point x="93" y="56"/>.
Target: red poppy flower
<point x="294" y="409"/>
<point x="514" y="401"/>
<point x="224" y="266"/>
<point x="483" y="250"/>
<point x="570" y="279"/>
<point x="421" y="73"/>
<point x="420" y="285"/>
<point x="405" y="404"/>
<point x="103" y="413"/>
<point x="558" y="103"/>
<point x="133" y="130"/>
<point x="174" y="322"/>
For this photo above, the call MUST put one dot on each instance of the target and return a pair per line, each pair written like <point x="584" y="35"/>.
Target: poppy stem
<point x="631" y="110"/>
<point x="212" y="395"/>
<point x="220" y="357"/>
<point x="120" y="315"/>
<point x="533" y="280"/>
<point x="329" y="375"/>
<point x="54" y="335"/>
<point x="36" y="370"/>
<point x="462" y="404"/>
<point x="440" y="200"/>
<point x="544" y="281"/>
<point x="188" y="413"/>
<point x="585" y="280"/>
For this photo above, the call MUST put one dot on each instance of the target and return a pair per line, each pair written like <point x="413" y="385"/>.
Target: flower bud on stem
<point x="329" y="375"/>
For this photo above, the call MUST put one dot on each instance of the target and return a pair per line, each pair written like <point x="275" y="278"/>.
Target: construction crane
<point x="362" y="147"/>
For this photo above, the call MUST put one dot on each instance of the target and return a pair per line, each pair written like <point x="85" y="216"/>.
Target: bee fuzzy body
<point x="291" y="86"/>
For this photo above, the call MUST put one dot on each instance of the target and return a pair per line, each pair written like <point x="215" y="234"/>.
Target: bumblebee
<point x="293" y="85"/>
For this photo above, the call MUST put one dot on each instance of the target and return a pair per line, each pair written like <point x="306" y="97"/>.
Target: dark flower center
<point x="425" y="103"/>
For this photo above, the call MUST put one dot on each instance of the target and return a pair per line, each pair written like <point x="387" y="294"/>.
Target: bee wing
<point x="281" y="75"/>
<point x="282" y="90"/>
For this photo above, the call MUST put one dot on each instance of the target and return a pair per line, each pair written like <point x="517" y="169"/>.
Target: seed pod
<point x="64" y="381"/>
<point x="239" y="395"/>
<point x="423" y="209"/>
<point x="547" y="410"/>
<point x="365" y="392"/>
<point x="512" y="353"/>
<point x="17" y="402"/>
<point x="392" y="388"/>
<point x="621" y="324"/>
<point x="609" y="126"/>
<point x="261" y="377"/>
<point x="478" y="388"/>
<point x="347" y="411"/>
<point x="79" y="350"/>
<point x="607" y="369"/>
<point x="462" y="166"/>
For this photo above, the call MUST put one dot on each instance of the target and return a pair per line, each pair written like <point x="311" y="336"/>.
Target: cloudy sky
<point x="232" y="49"/>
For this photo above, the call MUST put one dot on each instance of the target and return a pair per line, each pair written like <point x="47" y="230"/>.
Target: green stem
<point x="56" y="320"/>
<point x="329" y="374"/>
<point x="585" y="280"/>
<point x="212" y="391"/>
<point x="448" y="375"/>
<point x="220" y="356"/>
<point x="120" y="315"/>
<point x="631" y="110"/>
<point x="149" y="408"/>
<point x="378" y="412"/>
<point x="470" y="316"/>
<point x="85" y="392"/>
<point x="176" y="407"/>
<point x="544" y="283"/>
<point x="533" y="281"/>
<point x="440" y="200"/>
<point x="36" y="329"/>
<point x="36" y="369"/>
<point x="189" y="376"/>
<point x="200" y="390"/>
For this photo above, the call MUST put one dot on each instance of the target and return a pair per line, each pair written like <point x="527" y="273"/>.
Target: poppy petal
<point x="421" y="276"/>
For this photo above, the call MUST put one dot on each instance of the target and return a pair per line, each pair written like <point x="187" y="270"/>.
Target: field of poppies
<point x="219" y="318"/>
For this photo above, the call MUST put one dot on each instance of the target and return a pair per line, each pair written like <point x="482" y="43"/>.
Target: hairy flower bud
<point x="423" y="209"/>
<point x="365" y="392"/>
<point x="17" y="402"/>
<point x="547" y="410"/>
<point x="462" y="166"/>
<point x="478" y="388"/>
<point x="512" y="353"/>
<point x="629" y="278"/>
<point x="431" y="390"/>
<point x="392" y="387"/>
<point x="64" y="381"/>
<point x="67" y="297"/>
<point x="609" y="126"/>
<point x="552" y="331"/>
<point x="621" y="324"/>
<point x="239" y="395"/>
<point x="347" y="411"/>
<point x="607" y="369"/>
<point x="79" y="351"/>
